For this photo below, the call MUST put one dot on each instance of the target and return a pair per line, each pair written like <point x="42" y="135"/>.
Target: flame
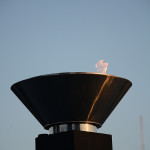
<point x="101" y="67"/>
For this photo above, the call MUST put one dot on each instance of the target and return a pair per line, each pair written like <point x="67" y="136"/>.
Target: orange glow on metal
<point x="107" y="83"/>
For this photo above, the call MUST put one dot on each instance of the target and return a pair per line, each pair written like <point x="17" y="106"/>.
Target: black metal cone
<point x="71" y="97"/>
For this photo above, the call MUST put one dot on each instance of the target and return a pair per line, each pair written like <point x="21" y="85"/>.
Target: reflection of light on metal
<point x="101" y="67"/>
<point x="142" y="133"/>
<point x="71" y="127"/>
<point x="106" y="84"/>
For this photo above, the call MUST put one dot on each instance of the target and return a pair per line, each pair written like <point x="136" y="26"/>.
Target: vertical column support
<point x="74" y="140"/>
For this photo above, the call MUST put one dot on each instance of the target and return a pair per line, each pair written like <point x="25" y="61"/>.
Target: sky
<point x="53" y="36"/>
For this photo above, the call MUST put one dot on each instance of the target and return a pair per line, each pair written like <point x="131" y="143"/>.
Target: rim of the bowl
<point x="71" y="73"/>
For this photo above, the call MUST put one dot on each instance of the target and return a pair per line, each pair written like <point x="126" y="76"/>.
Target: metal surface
<point x="72" y="127"/>
<point x="71" y="97"/>
<point x="74" y="140"/>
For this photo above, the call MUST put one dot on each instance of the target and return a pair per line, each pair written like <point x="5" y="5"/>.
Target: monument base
<point x="74" y="140"/>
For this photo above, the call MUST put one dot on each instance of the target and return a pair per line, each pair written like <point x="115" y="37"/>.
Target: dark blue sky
<point x="43" y="37"/>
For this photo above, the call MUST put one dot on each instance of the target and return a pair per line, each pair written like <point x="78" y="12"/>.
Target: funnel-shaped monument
<point x="71" y="97"/>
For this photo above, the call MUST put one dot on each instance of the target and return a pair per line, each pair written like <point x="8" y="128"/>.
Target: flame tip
<point x="101" y="67"/>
